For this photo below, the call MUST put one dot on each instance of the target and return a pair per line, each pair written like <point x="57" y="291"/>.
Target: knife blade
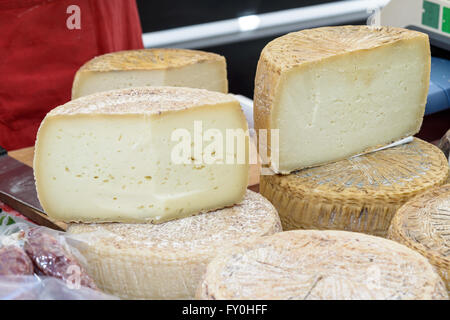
<point x="18" y="190"/>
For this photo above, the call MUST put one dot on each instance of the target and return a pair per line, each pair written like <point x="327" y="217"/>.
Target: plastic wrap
<point x="37" y="263"/>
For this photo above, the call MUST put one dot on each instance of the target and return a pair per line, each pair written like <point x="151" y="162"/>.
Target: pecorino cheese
<point x="360" y="194"/>
<point x="151" y="67"/>
<point x="335" y="92"/>
<point x="141" y="155"/>
<point x="329" y="265"/>
<point x="167" y="261"/>
<point x="423" y="224"/>
<point x="444" y="144"/>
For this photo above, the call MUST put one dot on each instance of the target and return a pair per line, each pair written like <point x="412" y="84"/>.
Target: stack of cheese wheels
<point x="151" y="67"/>
<point x="167" y="261"/>
<point x="109" y="157"/>
<point x="311" y="264"/>
<point x="423" y="224"/>
<point x="359" y="194"/>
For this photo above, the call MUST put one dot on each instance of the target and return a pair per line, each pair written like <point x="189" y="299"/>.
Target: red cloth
<point x="39" y="55"/>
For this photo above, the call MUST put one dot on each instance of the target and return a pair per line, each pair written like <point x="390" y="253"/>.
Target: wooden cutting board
<point x="26" y="155"/>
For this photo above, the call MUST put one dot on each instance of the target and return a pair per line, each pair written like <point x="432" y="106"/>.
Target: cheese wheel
<point x="151" y="67"/>
<point x="335" y="92"/>
<point x="423" y="224"/>
<point x="312" y="264"/>
<point x="141" y="155"/>
<point x="166" y="261"/>
<point x="359" y="194"/>
<point x="444" y="144"/>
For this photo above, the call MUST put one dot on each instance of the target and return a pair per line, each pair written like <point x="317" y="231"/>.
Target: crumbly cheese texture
<point x="329" y="265"/>
<point x="167" y="261"/>
<point x="334" y="92"/>
<point x="151" y="67"/>
<point x="130" y="156"/>
<point x="423" y="224"/>
<point x="360" y="194"/>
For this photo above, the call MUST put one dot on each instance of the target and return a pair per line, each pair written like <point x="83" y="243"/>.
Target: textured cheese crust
<point x="360" y="194"/>
<point x="166" y="261"/>
<point x="311" y="265"/>
<point x="107" y="157"/>
<point x="444" y="144"/>
<point x="423" y="224"/>
<point x="334" y="92"/>
<point x="151" y="67"/>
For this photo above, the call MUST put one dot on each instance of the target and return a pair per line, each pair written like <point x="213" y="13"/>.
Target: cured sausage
<point x="51" y="259"/>
<point x="14" y="261"/>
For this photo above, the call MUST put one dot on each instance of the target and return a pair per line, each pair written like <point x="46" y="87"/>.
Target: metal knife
<point x="18" y="190"/>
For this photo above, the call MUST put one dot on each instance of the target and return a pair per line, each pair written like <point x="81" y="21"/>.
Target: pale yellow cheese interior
<point x="118" y="167"/>
<point x="347" y="104"/>
<point x="204" y="75"/>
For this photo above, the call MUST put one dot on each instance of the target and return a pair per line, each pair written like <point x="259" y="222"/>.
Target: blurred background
<point x="225" y="21"/>
<point x="239" y="30"/>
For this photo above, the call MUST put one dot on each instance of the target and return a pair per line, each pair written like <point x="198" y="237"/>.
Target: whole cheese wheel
<point x="423" y="224"/>
<point x="167" y="261"/>
<point x="358" y="194"/>
<point x="312" y="264"/>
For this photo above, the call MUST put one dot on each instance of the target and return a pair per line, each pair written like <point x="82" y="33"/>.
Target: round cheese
<point x="359" y="194"/>
<point x="423" y="224"/>
<point x="312" y="264"/>
<point x="151" y="67"/>
<point x="166" y="261"/>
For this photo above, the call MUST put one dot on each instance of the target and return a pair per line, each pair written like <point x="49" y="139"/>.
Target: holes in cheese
<point x="151" y="67"/>
<point x="334" y="92"/>
<point x="113" y="156"/>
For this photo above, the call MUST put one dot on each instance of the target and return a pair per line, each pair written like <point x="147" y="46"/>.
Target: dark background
<point x="241" y="57"/>
<point x="163" y="15"/>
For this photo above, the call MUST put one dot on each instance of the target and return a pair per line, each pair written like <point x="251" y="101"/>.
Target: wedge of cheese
<point x="152" y="67"/>
<point x="359" y="194"/>
<point x="321" y="265"/>
<point x="167" y="261"/>
<point x="423" y="224"/>
<point x="141" y="155"/>
<point x="334" y="92"/>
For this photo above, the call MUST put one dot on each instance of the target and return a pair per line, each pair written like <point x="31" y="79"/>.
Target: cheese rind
<point x="360" y="194"/>
<point x="329" y="265"/>
<point x="109" y="157"/>
<point x="151" y="67"/>
<point x="334" y="92"/>
<point x="422" y="224"/>
<point x="167" y="261"/>
<point x="444" y="144"/>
